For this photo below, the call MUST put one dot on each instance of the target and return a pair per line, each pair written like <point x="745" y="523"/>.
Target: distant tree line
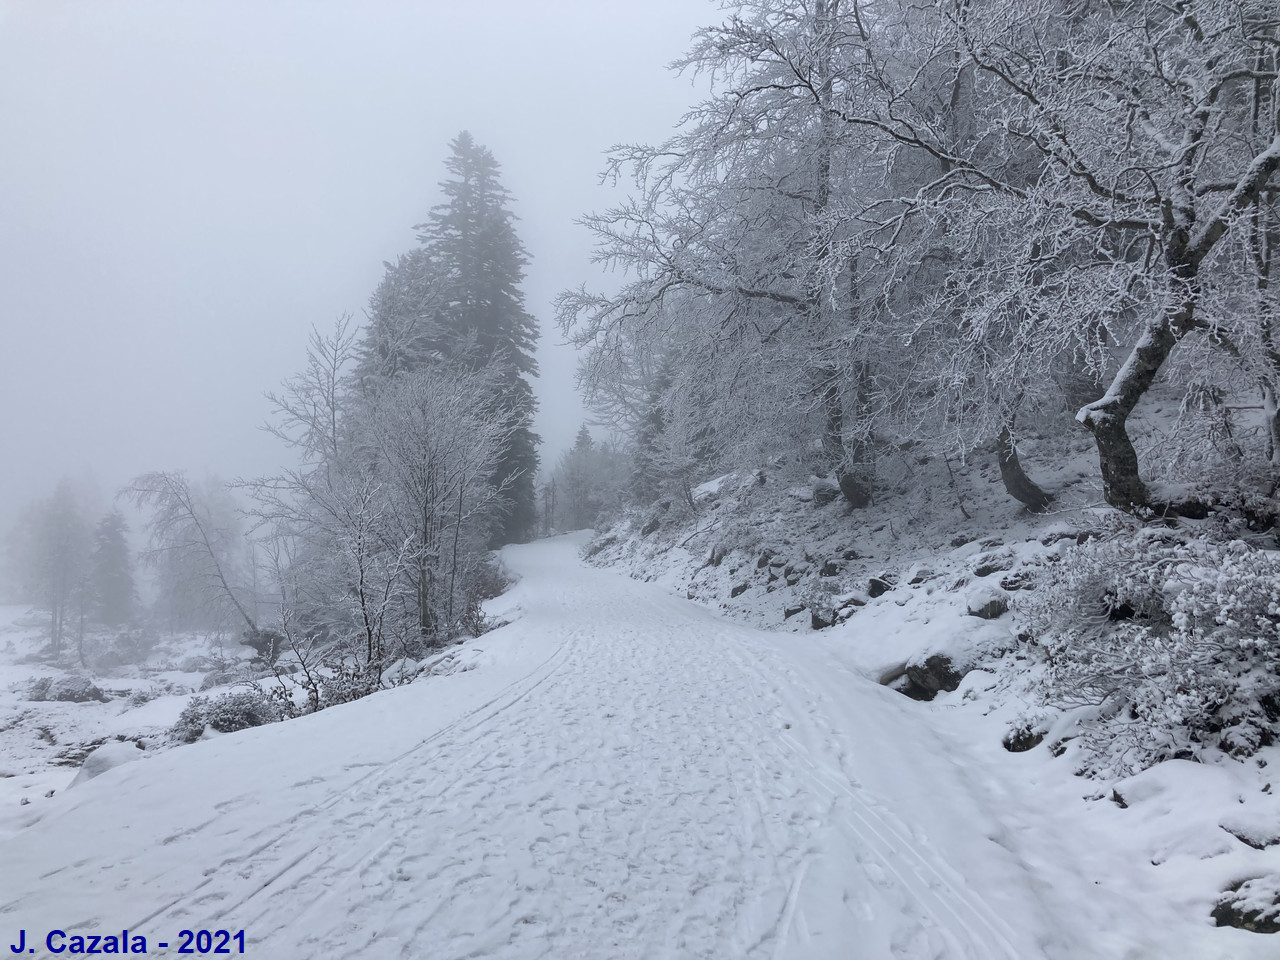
<point x="80" y="571"/>
<point x="414" y="457"/>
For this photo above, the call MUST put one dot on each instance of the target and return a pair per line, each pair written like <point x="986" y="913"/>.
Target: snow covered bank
<point x="932" y="605"/>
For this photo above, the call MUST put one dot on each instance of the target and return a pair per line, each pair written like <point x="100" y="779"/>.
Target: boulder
<point x="67" y="690"/>
<point x="825" y="492"/>
<point x="107" y="757"/>
<point x="1021" y="580"/>
<point x="1022" y="738"/>
<point x="739" y="589"/>
<point x="988" y="563"/>
<point x="987" y="604"/>
<point x="925" y="680"/>
<point x="878" y="587"/>
<point x="1252" y="905"/>
<point x="821" y="619"/>
<point x="1257" y="832"/>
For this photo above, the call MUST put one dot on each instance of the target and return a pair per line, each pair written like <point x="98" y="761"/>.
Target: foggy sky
<point x="187" y="187"/>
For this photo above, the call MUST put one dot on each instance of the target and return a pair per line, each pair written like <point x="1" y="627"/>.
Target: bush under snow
<point x="226" y="714"/>
<point x="1162" y="644"/>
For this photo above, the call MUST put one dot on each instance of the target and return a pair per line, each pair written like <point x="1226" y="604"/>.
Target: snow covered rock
<point x="107" y="757"/>
<point x="996" y="561"/>
<point x="68" y="689"/>
<point x="1258" y="831"/>
<point x="929" y="677"/>
<point x="1251" y="905"/>
<point x="987" y="603"/>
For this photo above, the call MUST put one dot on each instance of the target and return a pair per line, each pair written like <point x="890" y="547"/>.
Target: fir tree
<point x="479" y="261"/>
<point x="113" y="589"/>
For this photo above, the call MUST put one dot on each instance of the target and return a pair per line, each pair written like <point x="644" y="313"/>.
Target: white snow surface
<point x="618" y="773"/>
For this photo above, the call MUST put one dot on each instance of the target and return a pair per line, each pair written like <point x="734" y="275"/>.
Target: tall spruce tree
<point x="479" y="313"/>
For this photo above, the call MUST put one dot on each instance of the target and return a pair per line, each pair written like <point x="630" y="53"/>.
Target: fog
<point x="186" y="188"/>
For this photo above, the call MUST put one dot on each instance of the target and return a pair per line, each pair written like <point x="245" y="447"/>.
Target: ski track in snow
<point x="663" y="784"/>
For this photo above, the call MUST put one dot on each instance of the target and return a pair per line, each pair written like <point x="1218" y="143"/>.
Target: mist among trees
<point x="946" y="225"/>
<point x="886" y="227"/>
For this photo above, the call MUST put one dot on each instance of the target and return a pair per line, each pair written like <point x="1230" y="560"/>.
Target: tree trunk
<point x="1106" y="417"/>
<point x="1021" y="487"/>
<point x="1271" y="410"/>
<point x="851" y="473"/>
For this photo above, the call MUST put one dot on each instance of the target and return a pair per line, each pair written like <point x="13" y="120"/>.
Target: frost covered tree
<point x="1103" y="184"/>
<point x="380" y="533"/>
<point x="591" y="477"/>
<point x="933" y="223"/>
<point x="734" y="264"/>
<point x="198" y="551"/>
<point x="52" y="545"/>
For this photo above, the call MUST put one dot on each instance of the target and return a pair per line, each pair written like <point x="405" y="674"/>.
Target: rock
<point x="1259" y="833"/>
<point x="789" y="612"/>
<point x="739" y="589"/>
<point x="1251" y="905"/>
<point x="920" y="576"/>
<point x="925" y="680"/>
<point x="1021" y="739"/>
<point x="220" y="678"/>
<point x="960" y="540"/>
<point x="266" y="643"/>
<point x="67" y="690"/>
<point x="829" y="569"/>
<point x="765" y="556"/>
<point x="1017" y="581"/>
<point x="825" y="492"/>
<point x="107" y="757"/>
<point x="820" y="622"/>
<point x="988" y="605"/>
<point x="988" y="563"/>
<point x="878" y="587"/>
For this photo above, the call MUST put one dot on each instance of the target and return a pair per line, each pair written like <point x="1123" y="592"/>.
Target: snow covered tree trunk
<point x="1107" y="417"/>
<point x="1271" y="409"/>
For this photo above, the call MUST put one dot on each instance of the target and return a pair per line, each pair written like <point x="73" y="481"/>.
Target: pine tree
<point x="471" y="241"/>
<point x="113" y="588"/>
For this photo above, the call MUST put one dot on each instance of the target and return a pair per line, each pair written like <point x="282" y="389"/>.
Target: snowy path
<point x="625" y="776"/>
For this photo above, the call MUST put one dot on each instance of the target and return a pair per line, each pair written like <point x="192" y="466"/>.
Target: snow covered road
<point x="623" y="775"/>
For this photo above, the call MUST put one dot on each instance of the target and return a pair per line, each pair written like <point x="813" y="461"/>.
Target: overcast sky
<point x="186" y="186"/>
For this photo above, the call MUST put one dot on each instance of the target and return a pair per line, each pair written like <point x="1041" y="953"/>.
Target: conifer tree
<point x="456" y="299"/>
<point x="472" y="239"/>
<point x="113" y="589"/>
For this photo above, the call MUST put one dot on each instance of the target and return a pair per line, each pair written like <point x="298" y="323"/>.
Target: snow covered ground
<point x="621" y="774"/>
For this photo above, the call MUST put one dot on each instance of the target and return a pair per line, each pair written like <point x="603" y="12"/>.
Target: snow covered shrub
<point x="225" y="713"/>
<point x="1163" y="644"/>
<point x="345" y="682"/>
